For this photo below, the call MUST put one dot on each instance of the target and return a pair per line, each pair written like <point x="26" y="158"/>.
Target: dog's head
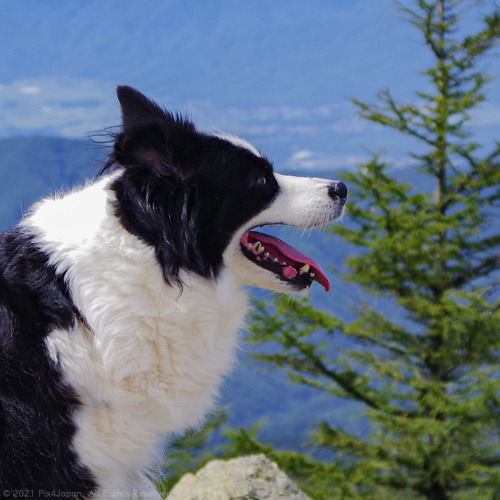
<point x="196" y="198"/>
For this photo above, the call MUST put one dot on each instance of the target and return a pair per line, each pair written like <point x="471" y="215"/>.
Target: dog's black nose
<point x="337" y="190"/>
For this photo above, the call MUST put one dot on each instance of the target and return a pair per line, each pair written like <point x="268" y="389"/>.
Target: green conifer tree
<point x="428" y="373"/>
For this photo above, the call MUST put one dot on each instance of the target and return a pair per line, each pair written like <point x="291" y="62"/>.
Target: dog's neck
<point x="146" y="358"/>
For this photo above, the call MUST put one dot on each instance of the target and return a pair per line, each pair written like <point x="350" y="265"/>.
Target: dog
<point x="121" y="302"/>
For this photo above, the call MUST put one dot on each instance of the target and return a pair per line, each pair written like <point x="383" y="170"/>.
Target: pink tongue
<point x="292" y="255"/>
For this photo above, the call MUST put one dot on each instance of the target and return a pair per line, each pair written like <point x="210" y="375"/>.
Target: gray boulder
<point x="246" y="478"/>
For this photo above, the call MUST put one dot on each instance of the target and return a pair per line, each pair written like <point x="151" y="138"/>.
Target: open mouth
<point x="285" y="261"/>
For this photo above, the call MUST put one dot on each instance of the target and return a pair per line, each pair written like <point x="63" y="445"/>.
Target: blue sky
<point x="279" y="73"/>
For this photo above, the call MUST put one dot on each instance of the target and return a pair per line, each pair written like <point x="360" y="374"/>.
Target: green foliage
<point x="428" y="374"/>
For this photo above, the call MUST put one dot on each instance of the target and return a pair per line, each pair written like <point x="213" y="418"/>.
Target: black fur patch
<point x="181" y="191"/>
<point x="36" y="407"/>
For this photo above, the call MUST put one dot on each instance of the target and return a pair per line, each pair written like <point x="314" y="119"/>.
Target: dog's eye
<point x="261" y="180"/>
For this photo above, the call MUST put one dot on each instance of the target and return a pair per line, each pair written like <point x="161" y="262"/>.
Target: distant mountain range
<point x="32" y="167"/>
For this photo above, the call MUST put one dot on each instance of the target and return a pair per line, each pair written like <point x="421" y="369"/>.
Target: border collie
<point x="120" y="302"/>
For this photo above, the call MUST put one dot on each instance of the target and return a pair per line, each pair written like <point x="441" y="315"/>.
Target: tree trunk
<point x="437" y="492"/>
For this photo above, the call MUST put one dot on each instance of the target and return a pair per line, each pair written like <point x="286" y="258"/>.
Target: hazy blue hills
<point x="32" y="167"/>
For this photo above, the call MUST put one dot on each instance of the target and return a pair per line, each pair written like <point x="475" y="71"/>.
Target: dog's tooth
<point x="267" y="255"/>
<point x="312" y="275"/>
<point x="276" y="260"/>
<point x="250" y="246"/>
<point x="305" y="268"/>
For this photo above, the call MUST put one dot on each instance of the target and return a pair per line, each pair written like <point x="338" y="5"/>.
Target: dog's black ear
<point x="149" y="134"/>
<point x="137" y="109"/>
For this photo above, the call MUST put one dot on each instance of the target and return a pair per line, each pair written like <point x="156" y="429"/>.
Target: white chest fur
<point x="150" y="358"/>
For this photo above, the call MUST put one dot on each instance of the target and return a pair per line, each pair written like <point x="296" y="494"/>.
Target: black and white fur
<point x="120" y="302"/>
